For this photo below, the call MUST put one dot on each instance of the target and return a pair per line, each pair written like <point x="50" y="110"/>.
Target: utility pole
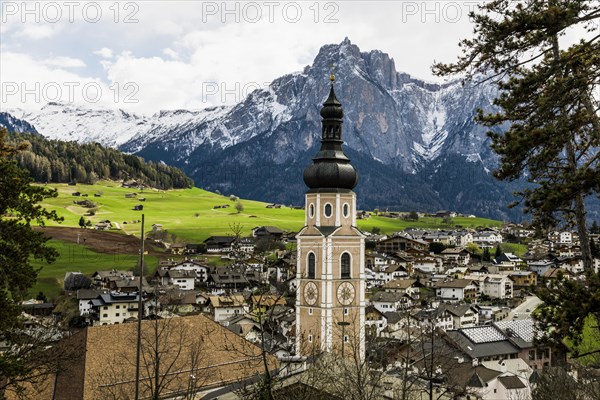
<point x="140" y="315"/>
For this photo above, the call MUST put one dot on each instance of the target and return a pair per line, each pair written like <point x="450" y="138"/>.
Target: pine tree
<point x="498" y="252"/>
<point x="547" y="97"/>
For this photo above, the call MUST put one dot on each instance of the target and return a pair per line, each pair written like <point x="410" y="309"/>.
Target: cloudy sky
<point x="147" y="55"/>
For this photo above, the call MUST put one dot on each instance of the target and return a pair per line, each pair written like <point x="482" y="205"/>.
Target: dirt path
<point x="99" y="241"/>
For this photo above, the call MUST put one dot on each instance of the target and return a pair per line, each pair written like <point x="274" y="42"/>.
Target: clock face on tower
<point x="345" y="293"/>
<point x="310" y="293"/>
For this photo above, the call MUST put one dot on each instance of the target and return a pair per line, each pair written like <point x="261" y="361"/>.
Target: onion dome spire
<point x="331" y="169"/>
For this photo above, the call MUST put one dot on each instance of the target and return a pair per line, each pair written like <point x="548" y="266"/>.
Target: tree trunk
<point x="579" y="209"/>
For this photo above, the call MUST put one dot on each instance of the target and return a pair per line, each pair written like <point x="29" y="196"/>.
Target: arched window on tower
<point x="345" y="266"/>
<point x="311" y="266"/>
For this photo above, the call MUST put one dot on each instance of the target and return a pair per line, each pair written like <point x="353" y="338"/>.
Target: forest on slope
<point x="64" y="162"/>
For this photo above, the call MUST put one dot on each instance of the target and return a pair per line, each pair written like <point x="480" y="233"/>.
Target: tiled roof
<point x="483" y="334"/>
<point x="105" y="368"/>
<point x="399" y="284"/>
<point x="387" y="296"/>
<point x="454" y="283"/>
<point x="511" y="382"/>
<point x="523" y="329"/>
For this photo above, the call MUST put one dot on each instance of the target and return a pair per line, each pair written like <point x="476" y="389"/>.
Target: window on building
<point x="346" y="210"/>
<point x="106" y="307"/>
<point x="310" y="338"/>
<point x="104" y="315"/>
<point x="345" y="267"/>
<point x="346" y="311"/>
<point x="328" y="210"/>
<point x="118" y="306"/>
<point x="117" y="314"/>
<point x="345" y="338"/>
<point x="311" y="266"/>
<point x="310" y="311"/>
<point x="311" y="211"/>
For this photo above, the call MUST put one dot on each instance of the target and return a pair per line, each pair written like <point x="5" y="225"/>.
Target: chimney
<point x="475" y="362"/>
<point x="503" y="367"/>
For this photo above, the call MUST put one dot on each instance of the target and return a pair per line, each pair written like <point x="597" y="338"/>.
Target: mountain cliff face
<point x="13" y="124"/>
<point x="414" y="143"/>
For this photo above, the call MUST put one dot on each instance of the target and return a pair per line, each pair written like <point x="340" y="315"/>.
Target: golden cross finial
<point x="331" y="75"/>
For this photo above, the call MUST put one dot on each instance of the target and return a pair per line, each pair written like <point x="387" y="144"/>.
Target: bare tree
<point x="33" y="355"/>
<point x="171" y="363"/>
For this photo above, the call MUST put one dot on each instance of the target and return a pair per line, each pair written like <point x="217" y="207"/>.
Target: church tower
<point x="330" y="301"/>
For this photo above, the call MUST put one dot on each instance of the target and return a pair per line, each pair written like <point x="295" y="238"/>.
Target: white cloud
<point x="178" y="48"/>
<point x="38" y="31"/>
<point x="171" y="53"/>
<point x="64" y="62"/>
<point x="104" y="52"/>
<point x="30" y="84"/>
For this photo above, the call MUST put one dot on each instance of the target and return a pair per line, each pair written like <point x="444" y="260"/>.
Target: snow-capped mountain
<point x="408" y="138"/>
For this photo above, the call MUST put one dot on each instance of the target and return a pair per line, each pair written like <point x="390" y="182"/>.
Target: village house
<point x="219" y="244"/>
<point x="572" y="264"/>
<point x="391" y="301"/>
<point x="507" y="261"/>
<point x="375" y="321"/>
<point x="541" y="266"/>
<point x="487" y="239"/>
<point x="114" y="308"/>
<point x="425" y="261"/>
<point x="84" y="299"/>
<point x="454" y="290"/>
<point x="409" y="287"/>
<point x="374" y="260"/>
<point x="262" y="304"/>
<point x="456" y="256"/>
<point x="462" y="316"/>
<point x="381" y="275"/>
<point x="442" y="237"/>
<point x="523" y="279"/>
<point x="200" y="270"/>
<point x="267" y="232"/>
<point x="184" y="280"/>
<point x="227" y="278"/>
<point x="495" y="286"/>
<point x="225" y="306"/>
<point x="400" y="243"/>
<point x="182" y="302"/>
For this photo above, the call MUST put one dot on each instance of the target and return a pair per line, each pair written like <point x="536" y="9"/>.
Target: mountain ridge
<point x="407" y="136"/>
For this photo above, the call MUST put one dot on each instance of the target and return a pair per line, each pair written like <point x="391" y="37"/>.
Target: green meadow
<point x="191" y="216"/>
<point x="78" y="258"/>
<point x="187" y="213"/>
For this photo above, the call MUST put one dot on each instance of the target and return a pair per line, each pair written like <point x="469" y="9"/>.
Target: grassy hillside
<point x="187" y="213"/>
<point x="190" y="213"/>
<point x="79" y="258"/>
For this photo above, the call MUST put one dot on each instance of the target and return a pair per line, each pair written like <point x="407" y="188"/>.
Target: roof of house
<point x="111" y="273"/>
<point x="454" y="283"/>
<point x="230" y="300"/>
<point x="387" y="297"/>
<point x="97" y="373"/>
<point x="455" y="250"/>
<point x="482" y="341"/>
<point x="392" y="317"/>
<point x="88" y="294"/>
<point x="267" y="300"/>
<point x="399" y="284"/>
<point x="269" y="229"/>
<point x="511" y="382"/>
<point x="220" y="240"/>
<point x="456" y="309"/>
